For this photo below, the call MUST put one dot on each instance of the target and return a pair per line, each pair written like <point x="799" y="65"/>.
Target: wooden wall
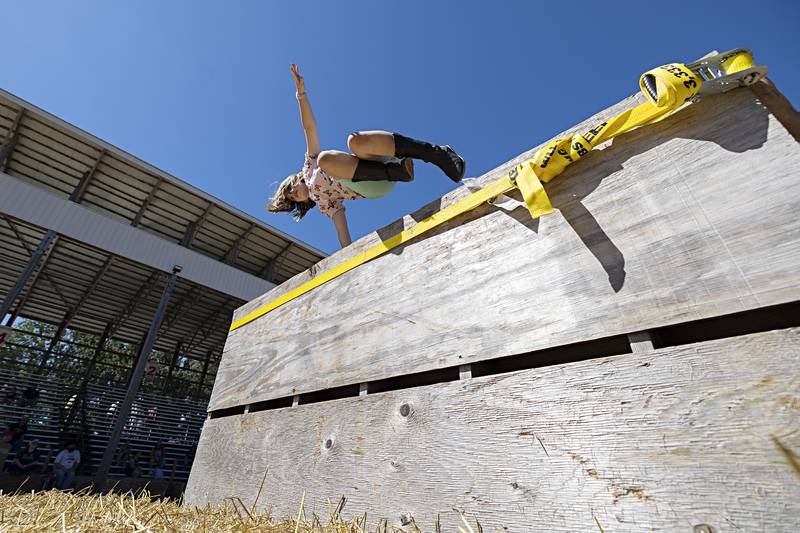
<point x="695" y="216"/>
<point x="656" y="441"/>
<point x="689" y="219"/>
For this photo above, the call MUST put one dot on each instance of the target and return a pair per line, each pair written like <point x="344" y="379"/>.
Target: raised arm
<point x="307" y="116"/>
<point x="340" y="221"/>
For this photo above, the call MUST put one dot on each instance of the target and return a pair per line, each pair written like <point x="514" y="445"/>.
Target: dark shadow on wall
<point x="691" y="123"/>
<point x="569" y="190"/>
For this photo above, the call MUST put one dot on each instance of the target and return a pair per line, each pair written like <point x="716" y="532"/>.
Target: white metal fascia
<point x="37" y="206"/>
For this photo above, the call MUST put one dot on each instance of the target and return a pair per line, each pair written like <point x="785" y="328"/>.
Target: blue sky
<point x="202" y="89"/>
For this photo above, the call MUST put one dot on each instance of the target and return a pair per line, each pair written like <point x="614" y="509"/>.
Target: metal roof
<point x="88" y="288"/>
<point x="73" y="163"/>
<point x="100" y="288"/>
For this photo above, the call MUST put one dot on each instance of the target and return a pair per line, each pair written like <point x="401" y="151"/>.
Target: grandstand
<point x="89" y="237"/>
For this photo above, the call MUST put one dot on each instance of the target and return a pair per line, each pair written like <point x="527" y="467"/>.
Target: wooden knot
<point x="405" y="410"/>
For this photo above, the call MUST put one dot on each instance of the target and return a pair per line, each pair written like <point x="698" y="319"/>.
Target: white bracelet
<point x="300" y="96"/>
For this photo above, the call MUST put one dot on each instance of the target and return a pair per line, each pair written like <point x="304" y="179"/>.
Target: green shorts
<point x="371" y="189"/>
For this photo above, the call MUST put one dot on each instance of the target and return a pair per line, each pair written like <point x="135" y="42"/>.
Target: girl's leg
<point x="336" y="164"/>
<point x="342" y="166"/>
<point x="371" y="144"/>
<point x="59" y="479"/>
<point x="444" y="157"/>
<point x="376" y="144"/>
<point x="368" y="145"/>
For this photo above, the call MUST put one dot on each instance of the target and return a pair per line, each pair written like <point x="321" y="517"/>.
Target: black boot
<point x="378" y="171"/>
<point x="444" y="157"/>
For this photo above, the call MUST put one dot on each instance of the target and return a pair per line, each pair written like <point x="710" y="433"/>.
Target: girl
<point x="379" y="159"/>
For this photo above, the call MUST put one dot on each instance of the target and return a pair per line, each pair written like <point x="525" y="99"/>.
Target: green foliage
<point x="26" y="348"/>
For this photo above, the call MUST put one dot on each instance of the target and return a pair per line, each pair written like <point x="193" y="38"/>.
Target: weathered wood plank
<point x="689" y="218"/>
<point x="656" y="441"/>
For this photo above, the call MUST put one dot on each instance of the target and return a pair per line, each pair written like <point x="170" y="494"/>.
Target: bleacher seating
<point x="154" y="418"/>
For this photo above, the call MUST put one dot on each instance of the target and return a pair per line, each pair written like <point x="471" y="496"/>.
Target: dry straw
<point x="82" y="512"/>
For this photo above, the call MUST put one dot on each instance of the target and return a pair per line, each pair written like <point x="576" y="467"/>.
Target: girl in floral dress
<point x="379" y="159"/>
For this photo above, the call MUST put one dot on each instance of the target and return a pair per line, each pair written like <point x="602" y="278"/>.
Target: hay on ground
<point x="82" y="512"/>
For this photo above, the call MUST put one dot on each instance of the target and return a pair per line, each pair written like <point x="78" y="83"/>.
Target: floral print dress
<point x="326" y="191"/>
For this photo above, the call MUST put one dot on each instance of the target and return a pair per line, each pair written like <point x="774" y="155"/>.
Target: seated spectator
<point x="157" y="459"/>
<point x="19" y="430"/>
<point x="26" y="460"/>
<point x="65" y="465"/>
<point x="128" y="459"/>
<point x="5" y="447"/>
<point x="132" y="465"/>
<point x="122" y="453"/>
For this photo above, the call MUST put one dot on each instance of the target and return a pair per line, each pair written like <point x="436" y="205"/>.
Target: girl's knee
<point x="372" y="144"/>
<point x="326" y="160"/>
<point x="357" y="142"/>
<point x="336" y="164"/>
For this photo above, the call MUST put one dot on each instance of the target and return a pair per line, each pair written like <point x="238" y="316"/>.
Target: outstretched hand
<point x="299" y="82"/>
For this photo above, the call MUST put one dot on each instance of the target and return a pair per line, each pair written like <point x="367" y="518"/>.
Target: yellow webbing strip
<point x="462" y="206"/>
<point x="676" y="84"/>
<point x="737" y="61"/>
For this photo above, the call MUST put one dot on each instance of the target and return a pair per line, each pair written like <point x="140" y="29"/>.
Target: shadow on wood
<point x="567" y="194"/>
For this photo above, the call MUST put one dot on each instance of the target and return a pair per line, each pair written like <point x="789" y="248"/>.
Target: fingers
<point x="298" y="79"/>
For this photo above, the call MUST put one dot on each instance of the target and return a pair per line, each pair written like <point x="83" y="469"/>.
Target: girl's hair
<point x="281" y="202"/>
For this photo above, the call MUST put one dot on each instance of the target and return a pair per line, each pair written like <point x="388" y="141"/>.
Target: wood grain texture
<point x="695" y="216"/>
<point x="656" y="441"/>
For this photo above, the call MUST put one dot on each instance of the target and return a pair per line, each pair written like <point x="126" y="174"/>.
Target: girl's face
<point x="298" y="193"/>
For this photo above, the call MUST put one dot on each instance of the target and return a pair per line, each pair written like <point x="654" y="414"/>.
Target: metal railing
<point x="62" y="410"/>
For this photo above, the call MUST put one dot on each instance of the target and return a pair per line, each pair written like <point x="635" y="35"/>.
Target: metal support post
<point x="132" y="369"/>
<point x="26" y="273"/>
<point x="54" y="342"/>
<point x="233" y="253"/>
<point x="98" y="352"/>
<point x="173" y="362"/>
<point x="83" y="184"/>
<point x="124" y="410"/>
<point x="203" y="374"/>
<point x="194" y="227"/>
<point x="5" y="151"/>
<point x="11" y="140"/>
<point x="268" y="272"/>
<point x="81" y="390"/>
<point x="138" y="218"/>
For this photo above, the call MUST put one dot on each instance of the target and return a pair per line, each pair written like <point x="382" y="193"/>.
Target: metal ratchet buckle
<point x="716" y="80"/>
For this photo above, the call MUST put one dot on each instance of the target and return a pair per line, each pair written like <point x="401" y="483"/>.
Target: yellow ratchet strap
<point x="667" y="88"/>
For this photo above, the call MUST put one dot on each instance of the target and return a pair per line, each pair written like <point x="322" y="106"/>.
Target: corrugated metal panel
<point x="35" y="205"/>
<point x="56" y="155"/>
